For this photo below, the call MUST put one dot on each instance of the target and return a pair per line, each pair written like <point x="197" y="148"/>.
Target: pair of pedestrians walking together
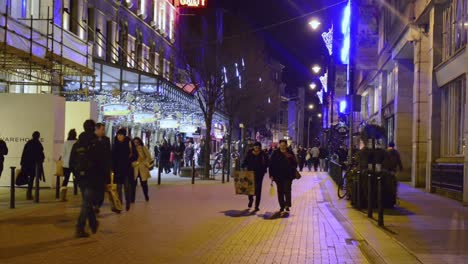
<point x="282" y="168"/>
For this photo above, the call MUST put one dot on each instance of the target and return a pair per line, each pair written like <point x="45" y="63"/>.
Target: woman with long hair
<point x="67" y="147"/>
<point x="141" y="167"/>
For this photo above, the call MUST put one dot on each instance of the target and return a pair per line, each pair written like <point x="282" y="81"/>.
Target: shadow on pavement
<point x="398" y="211"/>
<point x="33" y="248"/>
<point x="273" y="216"/>
<point x="238" y="213"/>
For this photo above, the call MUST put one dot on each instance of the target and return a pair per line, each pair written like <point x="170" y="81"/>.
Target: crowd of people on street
<point x="311" y="157"/>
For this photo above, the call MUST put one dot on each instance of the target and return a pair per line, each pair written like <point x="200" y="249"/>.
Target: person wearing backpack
<point x="123" y="154"/>
<point x="33" y="155"/>
<point x="84" y="161"/>
<point x="3" y="152"/>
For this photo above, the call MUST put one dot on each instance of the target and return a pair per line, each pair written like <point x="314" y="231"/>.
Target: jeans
<point x="258" y="190"/>
<point x="87" y="212"/>
<point x="127" y="186"/>
<point x="322" y="164"/>
<point x="176" y="166"/>
<point x="284" y="193"/>
<point x="315" y="161"/>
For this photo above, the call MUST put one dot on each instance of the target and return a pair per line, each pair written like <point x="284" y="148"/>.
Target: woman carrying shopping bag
<point x="256" y="161"/>
<point x="141" y="168"/>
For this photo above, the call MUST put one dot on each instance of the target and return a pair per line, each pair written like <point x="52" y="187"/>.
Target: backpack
<point x="79" y="159"/>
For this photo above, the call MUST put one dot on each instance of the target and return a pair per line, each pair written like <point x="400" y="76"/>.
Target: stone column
<point x="434" y="96"/>
<point x="423" y="76"/>
<point x="403" y="110"/>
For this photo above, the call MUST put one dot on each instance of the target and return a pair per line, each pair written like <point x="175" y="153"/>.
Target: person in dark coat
<point x="156" y="154"/>
<point x="123" y="154"/>
<point x="256" y="161"/>
<point x="392" y="161"/>
<point x="301" y="157"/>
<point x="164" y="157"/>
<point x="87" y="176"/>
<point x="3" y="153"/>
<point x="282" y="170"/>
<point x="179" y="149"/>
<point x="105" y="166"/>
<point x="33" y="155"/>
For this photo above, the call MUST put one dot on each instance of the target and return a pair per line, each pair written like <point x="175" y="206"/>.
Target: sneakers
<point x="81" y="234"/>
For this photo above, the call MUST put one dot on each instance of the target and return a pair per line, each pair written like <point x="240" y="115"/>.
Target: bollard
<point x="379" y="200"/>
<point x="159" y="173"/>
<point x="369" y="195"/>
<point x="57" y="188"/>
<point x="12" y="188"/>
<point x="36" y="190"/>
<point x="222" y="172"/>
<point x="193" y="171"/>
<point x="358" y="190"/>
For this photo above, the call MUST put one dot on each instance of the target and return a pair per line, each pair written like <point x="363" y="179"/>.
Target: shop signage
<point x="116" y="109"/>
<point x="188" y="129"/>
<point x="191" y="3"/>
<point x="144" y="118"/>
<point x="168" y="123"/>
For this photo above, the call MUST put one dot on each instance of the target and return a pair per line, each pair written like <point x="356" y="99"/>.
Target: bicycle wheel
<point x="342" y="190"/>
<point x="217" y="166"/>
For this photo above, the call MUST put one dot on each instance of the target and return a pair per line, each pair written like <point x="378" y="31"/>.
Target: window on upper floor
<point x="145" y="58"/>
<point x="453" y="117"/>
<point x="162" y="17"/>
<point x="391" y="83"/>
<point x="455" y="27"/>
<point x="172" y="24"/>
<point x="131" y="51"/>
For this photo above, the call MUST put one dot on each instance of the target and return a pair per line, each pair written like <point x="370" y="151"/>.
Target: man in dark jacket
<point x="123" y="154"/>
<point x="3" y="152"/>
<point x="392" y="161"/>
<point x="301" y="157"/>
<point x="85" y="164"/>
<point x="179" y="150"/>
<point x="32" y="160"/>
<point x="256" y="161"/>
<point x="105" y="166"/>
<point x="164" y="157"/>
<point x="283" y="166"/>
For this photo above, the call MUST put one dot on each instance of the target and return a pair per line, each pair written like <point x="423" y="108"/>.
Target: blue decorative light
<point x="343" y="106"/>
<point x="345" y="29"/>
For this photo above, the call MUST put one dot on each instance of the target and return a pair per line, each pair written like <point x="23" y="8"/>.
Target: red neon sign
<point x="192" y="3"/>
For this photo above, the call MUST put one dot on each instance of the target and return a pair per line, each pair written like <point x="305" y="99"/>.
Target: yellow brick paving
<point x="204" y="223"/>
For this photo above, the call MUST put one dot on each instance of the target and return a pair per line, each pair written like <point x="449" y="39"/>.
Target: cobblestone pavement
<point x="182" y="223"/>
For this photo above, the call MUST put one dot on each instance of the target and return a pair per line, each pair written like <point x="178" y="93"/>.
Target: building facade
<point x="419" y="85"/>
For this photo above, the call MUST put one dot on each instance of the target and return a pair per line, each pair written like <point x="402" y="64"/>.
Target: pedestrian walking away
<point x="84" y="160"/>
<point x="141" y="168"/>
<point x="256" y="161"/>
<point x="67" y="148"/>
<point x="315" y="152"/>
<point x="122" y="157"/>
<point x="392" y="161"/>
<point x="188" y="155"/>
<point x="179" y="149"/>
<point x="301" y="157"/>
<point x="33" y="155"/>
<point x="3" y="153"/>
<point x="308" y="159"/>
<point x="164" y="157"/>
<point x="323" y="153"/>
<point x="282" y="170"/>
<point x="105" y="165"/>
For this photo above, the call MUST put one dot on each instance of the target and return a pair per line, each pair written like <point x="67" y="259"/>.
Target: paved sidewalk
<point x="183" y="223"/>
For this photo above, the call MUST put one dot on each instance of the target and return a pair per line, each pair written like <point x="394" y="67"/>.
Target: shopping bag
<point x="244" y="182"/>
<point x="59" y="168"/>
<point x="21" y="178"/>
<point x="116" y="204"/>
<point x="272" y="189"/>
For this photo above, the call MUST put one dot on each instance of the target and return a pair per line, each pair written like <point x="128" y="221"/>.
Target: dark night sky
<point x="294" y="44"/>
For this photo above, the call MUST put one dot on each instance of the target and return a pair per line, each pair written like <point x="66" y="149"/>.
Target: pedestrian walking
<point x="122" y="157"/>
<point x="392" y="161"/>
<point x="282" y="170"/>
<point x="84" y="162"/>
<point x="104" y="168"/>
<point x="164" y="157"/>
<point x="156" y="154"/>
<point x="141" y="168"/>
<point x="301" y="157"/>
<point x="67" y="148"/>
<point x="315" y="152"/>
<point x="3" y="153"/>
<point x="189" y="153"/>
<point x="33" y="155"/>
<point x="179" y="149"/>
<point x="323" y="153"/>
<point x="309" y="159"/>
<point x="256" y="161"/>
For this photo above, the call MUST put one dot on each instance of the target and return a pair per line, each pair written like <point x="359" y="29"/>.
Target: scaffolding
<point x="37" y="52"/>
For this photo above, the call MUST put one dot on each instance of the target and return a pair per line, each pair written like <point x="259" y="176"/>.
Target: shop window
<point x="452" y="118"/>
<point x="390" y="129"/>
<point x="162" y="17"/>
<point x="455" y="29"/>
<point x="111" y="51"/>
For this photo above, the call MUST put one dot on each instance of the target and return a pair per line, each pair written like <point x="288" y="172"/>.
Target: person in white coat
<point x="67" y="147"/>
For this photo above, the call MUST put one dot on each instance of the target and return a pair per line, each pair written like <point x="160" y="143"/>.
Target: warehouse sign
<point x="191" y="3"/>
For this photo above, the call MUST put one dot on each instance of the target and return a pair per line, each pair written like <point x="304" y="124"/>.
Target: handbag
<point x="59" y="168"/>
<point x="21" y="178"/>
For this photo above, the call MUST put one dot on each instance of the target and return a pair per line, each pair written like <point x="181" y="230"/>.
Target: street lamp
<point x="319" y="115"/>
<point x="314" y="24"/>
<point x="313" y="86"/>
<point x="311" y="106"/>
<point x="316" y="69"/>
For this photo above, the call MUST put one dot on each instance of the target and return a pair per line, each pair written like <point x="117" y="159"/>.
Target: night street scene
<point x="233" y="131"/>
